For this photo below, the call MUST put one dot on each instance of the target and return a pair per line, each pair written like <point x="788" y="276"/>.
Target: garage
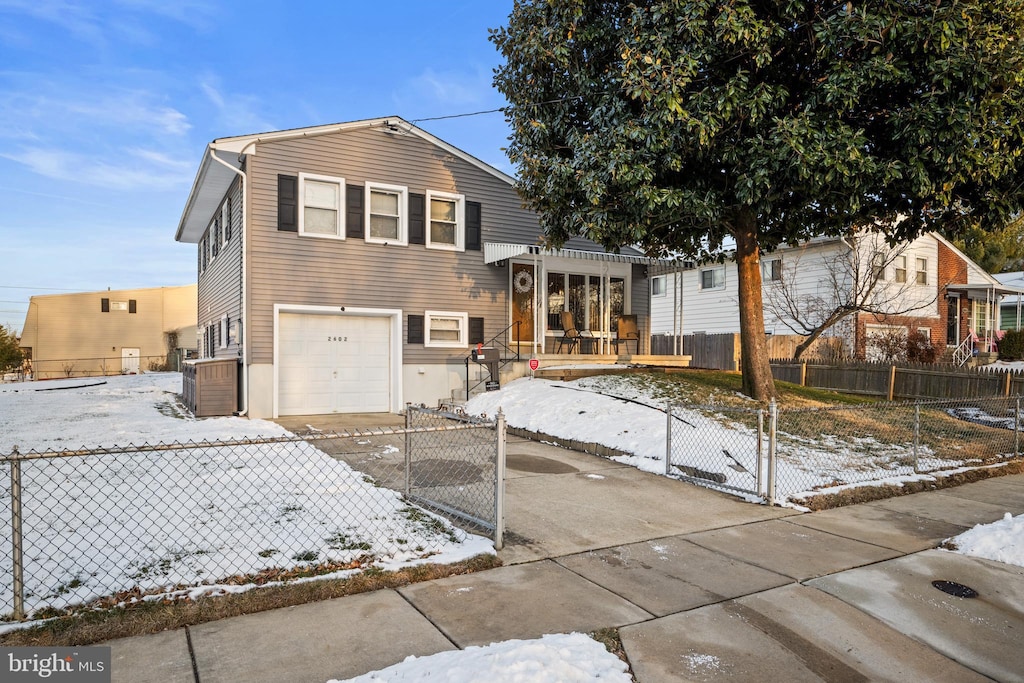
<point x="330" y="363"/>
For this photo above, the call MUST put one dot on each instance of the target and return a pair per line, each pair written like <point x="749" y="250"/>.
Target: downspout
<point x="244" y="408"/>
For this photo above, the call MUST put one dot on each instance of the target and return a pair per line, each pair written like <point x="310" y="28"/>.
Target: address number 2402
<point x="341" y="339"/>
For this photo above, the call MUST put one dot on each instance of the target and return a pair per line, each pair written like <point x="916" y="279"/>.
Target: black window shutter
<point x="416" y="329"/>
<point x="132" y="306"/>
<point x="287" y="203"/>
<point x="227" y="222"/>
<point x="417" y="219"/>
<point x="105" y="305"/>
<point x="354" y="211"/>
<point x="473" y="226"/>
<point x="476" y="330"/>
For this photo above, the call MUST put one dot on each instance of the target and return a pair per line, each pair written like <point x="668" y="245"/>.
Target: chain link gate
<point x="103" y="526"/>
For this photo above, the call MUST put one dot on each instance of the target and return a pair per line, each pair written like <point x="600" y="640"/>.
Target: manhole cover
<point x="954" y="588"/>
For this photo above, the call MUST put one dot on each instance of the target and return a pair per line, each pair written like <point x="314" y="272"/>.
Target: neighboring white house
<point x="1011" y="308"/>
<point x="926" y="285"/>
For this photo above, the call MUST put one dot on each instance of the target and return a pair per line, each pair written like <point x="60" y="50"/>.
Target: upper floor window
<point x="878" y="266"/>
<point x="386" y="213"/>
<point x="771" y="270"/>
<point x="713" y="278"/>
<point x="899" y="270"/>
<point x="321" y="199"/>
<point x="447" y="221"/>
<point x="658" y="285"/>
<point x="227" y="220"/>
<point x="921" y="276"/>
<point x="215" y="237"/>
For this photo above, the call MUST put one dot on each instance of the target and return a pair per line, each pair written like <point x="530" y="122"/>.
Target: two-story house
<point x="352" y="267"/>
<point x="927" y="285"/>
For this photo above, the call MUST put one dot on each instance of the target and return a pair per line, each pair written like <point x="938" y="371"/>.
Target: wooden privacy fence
<point x="901" y="381"/>
<point x="722" y="351"/>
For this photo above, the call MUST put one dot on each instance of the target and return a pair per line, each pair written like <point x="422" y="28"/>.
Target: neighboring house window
<point x="925" y="332"/>
<point x="979" y="317"/>
<point x="712" y="278"/>
<point x="878" y="267"/>
<point x="386" y="211"/>
<point x="321" y="199"/>
<point x="771" y="270"/>
<point x="446" y="329"/>
<point x="447" y="228"/>
<point x="899" y="273"/>
<point x="921" y="276"/>
<point x="658" y="285"/>
<point x="119" y="305"/>
<point x="224" y="331"/>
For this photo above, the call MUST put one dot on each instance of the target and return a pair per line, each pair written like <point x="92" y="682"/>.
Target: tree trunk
<point x="757" y="373"/>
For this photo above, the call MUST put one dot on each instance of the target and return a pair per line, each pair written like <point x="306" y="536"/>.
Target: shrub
<point x="919" y="348"/>
<point x="1011" y="346"/>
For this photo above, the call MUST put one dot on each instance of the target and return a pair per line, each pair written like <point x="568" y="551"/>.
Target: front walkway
<point x="701" y="585"/>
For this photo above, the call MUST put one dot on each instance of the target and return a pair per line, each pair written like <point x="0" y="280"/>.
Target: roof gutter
<point x="245" y="317"/>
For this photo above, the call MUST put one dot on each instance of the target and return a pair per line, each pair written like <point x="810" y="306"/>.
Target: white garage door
<point x="333" y="364"/>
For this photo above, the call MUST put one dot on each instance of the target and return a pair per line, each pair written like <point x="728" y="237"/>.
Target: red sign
<point x="534" y="364"/>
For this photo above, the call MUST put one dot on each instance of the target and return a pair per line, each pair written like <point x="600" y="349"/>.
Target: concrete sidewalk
<point x="701" y="585"/>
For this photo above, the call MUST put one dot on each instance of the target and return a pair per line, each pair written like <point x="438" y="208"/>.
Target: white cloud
<point x="133" y="171"/>
<point x="454" y="89"/>
<point x="237" y="114"/>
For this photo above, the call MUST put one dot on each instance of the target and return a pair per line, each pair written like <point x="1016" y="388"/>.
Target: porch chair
<point x="570" y="335"/>
<point x="627" y="332"/>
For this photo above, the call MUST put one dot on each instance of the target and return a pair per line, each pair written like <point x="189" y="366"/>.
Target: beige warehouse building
<point x="109" y="332"/>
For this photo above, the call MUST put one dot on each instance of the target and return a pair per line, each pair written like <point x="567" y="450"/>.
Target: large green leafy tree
<point x="10" y="355"/>
<point x="700" y="126"/>
<point x="997" y="250"/>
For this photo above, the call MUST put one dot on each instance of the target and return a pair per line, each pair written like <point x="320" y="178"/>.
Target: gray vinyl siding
<point x="220" y="287"/>
<point x="292" y="269"/>
<point x="640" y="305"/>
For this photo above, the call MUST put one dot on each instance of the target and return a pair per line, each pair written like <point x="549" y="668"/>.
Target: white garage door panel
<point x="333" y="364"/>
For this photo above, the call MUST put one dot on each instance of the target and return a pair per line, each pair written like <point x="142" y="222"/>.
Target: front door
<point x="129" y="361"/>
<point x="953" y="321"/>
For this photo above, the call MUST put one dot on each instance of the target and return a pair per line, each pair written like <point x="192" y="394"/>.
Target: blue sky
<point x="106" y="108"/>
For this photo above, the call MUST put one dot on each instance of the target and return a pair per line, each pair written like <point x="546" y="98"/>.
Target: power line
<point x="49" y="289"/>
<point x="494" y="111"/>
<point x="12" y="301"/>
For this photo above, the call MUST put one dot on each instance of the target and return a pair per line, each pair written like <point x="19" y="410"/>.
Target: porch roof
<point x="988" y="290"/>
<point x="502" y="251"/>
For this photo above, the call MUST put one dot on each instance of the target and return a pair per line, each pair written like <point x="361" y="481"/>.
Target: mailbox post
<point x="489" y="357"/>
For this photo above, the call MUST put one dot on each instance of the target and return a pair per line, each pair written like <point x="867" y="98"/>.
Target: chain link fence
<point x="108" y="526"/>
<point x="778" y="454"/>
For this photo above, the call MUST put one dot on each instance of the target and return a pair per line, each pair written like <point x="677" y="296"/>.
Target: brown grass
<point x="866" y="494"/>
<point x="86" y="627"/>
<point x="609" y="637"/>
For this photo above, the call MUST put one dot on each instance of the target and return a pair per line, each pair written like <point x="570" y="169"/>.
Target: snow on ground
<point x="1002" y="541"/>
<point x="718" y="443"/>
<point x="567" y="658"/>
<point x="182" y="522"/>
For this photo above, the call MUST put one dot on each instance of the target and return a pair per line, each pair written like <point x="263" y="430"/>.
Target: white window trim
<point x="700" y="279"/>
<point x="224" y="331"/>
<point x="460" y="221"/>
<point x="225" y="217"/>
<point x="664" y="285"/>
<point x="403" y="214"/>
<point x="463" y="319"/>
<point x="899" y="272"/>
<point x="917" y="260"/>
<point x="300" y="205"/>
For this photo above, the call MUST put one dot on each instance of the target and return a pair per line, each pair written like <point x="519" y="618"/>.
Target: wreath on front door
<point x="522" y="281"/>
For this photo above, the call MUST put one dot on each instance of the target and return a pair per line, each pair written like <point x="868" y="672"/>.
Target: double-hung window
<point x="446" y="329"/>
<point x="771" y="270"/>
<point x="447" y="228"/>
<point x="921" y="275"/>
<point x="321" y="201"/>
<point x="712" y="278"/>
<point x="386" y="214"/>
<point x="899" y="272"/>
<point x="658" y="285"/>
